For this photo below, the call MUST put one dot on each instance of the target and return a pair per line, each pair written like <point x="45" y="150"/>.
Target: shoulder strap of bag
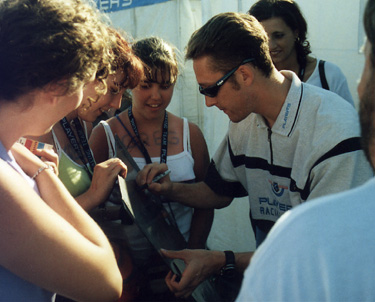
<point x="322" y="75"/>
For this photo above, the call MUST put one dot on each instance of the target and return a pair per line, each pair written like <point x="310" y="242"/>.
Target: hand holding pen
<point x="155" y="179"/>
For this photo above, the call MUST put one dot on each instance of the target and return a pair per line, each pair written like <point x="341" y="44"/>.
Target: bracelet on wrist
<point x="41" y="169"/>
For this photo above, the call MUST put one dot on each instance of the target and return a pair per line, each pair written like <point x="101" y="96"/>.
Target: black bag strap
<point x="322" y="75"/>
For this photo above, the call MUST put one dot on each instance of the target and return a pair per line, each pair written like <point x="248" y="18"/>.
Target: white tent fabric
<point x="334" y="37"/>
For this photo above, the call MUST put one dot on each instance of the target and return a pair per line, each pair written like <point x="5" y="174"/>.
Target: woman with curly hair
<point x="89" y="183"/>
<point x="49" y="51"/>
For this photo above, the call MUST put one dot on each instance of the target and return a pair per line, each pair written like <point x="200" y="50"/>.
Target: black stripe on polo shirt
<point x="298" y="110"/>
<point x="258" y="163"/>
<point x="349" y="145"/>
<point x="346" y="146"/>
<point x="221" y="186"/>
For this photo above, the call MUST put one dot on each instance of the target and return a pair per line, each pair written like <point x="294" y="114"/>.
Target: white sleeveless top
<point x="182" y="169"/>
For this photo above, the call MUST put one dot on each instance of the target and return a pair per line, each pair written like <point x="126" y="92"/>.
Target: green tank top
<point x="73" y="176"/>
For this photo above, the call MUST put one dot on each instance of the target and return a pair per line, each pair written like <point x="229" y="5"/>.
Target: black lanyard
<point x="89" y="161"/>
<point x="164" y="138"/>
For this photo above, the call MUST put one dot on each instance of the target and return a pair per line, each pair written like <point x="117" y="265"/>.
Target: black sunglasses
<point x="213" y="90"/>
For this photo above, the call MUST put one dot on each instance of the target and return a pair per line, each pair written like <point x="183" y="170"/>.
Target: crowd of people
<point x="295" y="146"/>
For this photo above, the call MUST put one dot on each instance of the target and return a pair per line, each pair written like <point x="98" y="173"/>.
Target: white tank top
<point x="182" y="169"/>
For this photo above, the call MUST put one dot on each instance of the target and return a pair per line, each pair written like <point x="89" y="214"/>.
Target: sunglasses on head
<point x="213" y="90"/>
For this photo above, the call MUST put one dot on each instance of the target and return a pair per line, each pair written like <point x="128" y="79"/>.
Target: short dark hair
<point x="291" y="14"/>
<point x="230" y="38"/>
<point x="157" y="55"/>
<point x="369" y="24"/>
<point x="47" y="41"/>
